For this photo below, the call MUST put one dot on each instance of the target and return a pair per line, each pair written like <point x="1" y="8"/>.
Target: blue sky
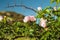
<point x="30" y="3"/>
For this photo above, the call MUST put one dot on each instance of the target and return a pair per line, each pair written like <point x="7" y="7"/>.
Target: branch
<point x="22" y="6"/>
<point x="56" y="11"/>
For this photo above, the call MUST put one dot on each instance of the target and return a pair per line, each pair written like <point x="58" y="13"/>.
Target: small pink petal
<point x="43" y="22"/>
<point x="1" y="18"/>
<point x="32" y="18"/>
<point x="26" y="19"/>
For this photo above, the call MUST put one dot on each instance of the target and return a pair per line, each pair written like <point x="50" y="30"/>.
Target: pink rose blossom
<point x="29" y="18"/>
<point x="26" y="19"/>
<point x="43" y="22"/>
<point x="32" y="18"/>
<point x="1" y="18"/>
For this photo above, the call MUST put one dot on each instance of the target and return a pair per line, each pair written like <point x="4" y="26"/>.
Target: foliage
<point x="53" y="23"/>
<point x="56" y="1"/>
<point x="17" y="29"/>
<point x="30" y="29"/>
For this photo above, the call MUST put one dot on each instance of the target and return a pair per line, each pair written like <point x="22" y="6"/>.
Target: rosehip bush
<point x="47" y="29"/>
<point x="52" y="26"/>
<point x="18" y="29"/>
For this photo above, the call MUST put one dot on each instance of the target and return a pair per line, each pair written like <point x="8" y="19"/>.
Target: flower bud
<point x="55" y="8"/>
<point x="39" y="8"/>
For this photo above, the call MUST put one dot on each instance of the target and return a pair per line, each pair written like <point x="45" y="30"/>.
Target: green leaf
<point x="57" y="1"/>
<point x="58" y="8"/>
<point x="48" y="11"/>
<point x="52" y="1"/>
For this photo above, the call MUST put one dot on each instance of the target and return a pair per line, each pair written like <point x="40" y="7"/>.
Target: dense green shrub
<point x="30" y="29"/>
<point x="19" y="29"/>
<point x="15" y="29"/>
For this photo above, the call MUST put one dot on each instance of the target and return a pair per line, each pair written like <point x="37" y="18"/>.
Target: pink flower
<point x="39" y="8"/>
<point x="32" y="18"/>
<point x="1" y="17"/>
<point x="26" y="19"/>
<point x="43" y="22"/>
<point x="29" y="18"/>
